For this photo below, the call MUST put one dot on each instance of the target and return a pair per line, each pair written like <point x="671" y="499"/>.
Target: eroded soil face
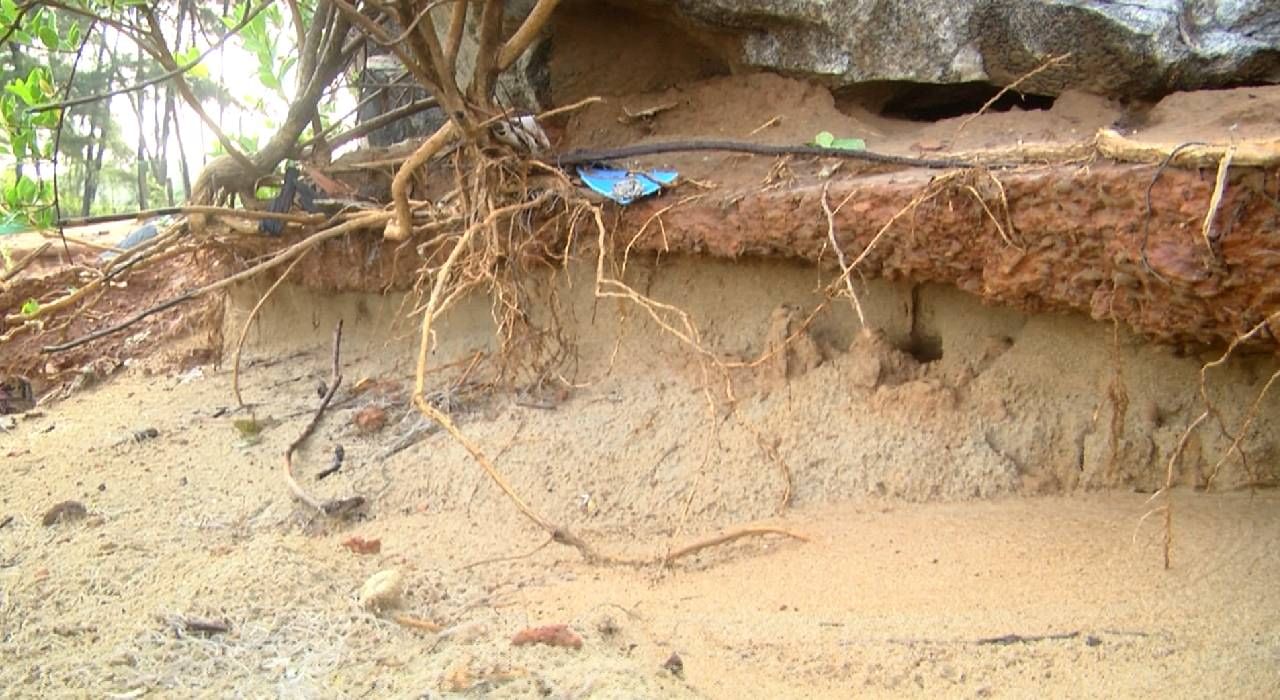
<point x="972" y="472"/>
<point x="1006" y="596"/>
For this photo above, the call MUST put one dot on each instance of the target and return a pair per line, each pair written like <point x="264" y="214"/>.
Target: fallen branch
<point x="362" y="221"/>
<point x="25" y="260"/>
<point x="1248" y="152"/>
<point x="1007" y="639"/>
<point x="191" y="209"/>
<point x="728" y="537"/>
<point x="335" y="380"/>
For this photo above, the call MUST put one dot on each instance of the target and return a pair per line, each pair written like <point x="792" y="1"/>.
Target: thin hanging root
<point x="435" y="305"/>
<point x="1215" y="201"/>
<point x="934" y="189"/>
<point x="1004" y="204"/>
<point x="244" y="330"/>
<point x="1049" y="63"/>
<point x="440" y="298"/>
<point x="335" y="380"/>
<point x="1167" y="491"/>
<point x="607" y="287"/>
<point x="845" y="268"/>
<point x="1211" y="409"/>
<point x="1244" y="428"/>
<point x="991" y="215"/>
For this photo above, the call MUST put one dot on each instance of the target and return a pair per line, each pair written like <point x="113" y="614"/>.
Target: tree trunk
<point x="138" y="109"/>
<point x="182" y="153"/>
<point x="93" y="166"/>
<point x="162" y="146"/>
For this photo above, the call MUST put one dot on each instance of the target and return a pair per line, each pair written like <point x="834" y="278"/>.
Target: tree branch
<point x="379" y="35"/>
<point x="525" y="35"/>
<point x="160" y="51"/>
<point x="486" y="53"/>
<point x="372" y="125"/>
<point x="454" y="41"/>
<point x="158" y="79"/>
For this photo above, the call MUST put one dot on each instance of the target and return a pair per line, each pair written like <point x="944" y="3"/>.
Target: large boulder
<point x="1137" y="49"/>
<point x="1122" y="49"/>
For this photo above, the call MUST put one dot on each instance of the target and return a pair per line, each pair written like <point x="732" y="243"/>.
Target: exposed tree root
<point x="335" y="507"/>
<point x="244" y="330"/>
<point x="362" y="221"/>
<point x="1046" y="65"/>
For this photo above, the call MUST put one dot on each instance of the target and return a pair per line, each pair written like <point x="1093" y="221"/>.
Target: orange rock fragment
<point x="551" y="635"/>
<point x="371" y="419"/>
<point x="360" y="545"/>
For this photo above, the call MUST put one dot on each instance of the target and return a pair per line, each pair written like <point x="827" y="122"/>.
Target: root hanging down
<point x="338" y="506"/>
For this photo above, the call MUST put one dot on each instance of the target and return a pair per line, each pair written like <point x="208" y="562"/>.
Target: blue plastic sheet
<point x="625" y="186"/>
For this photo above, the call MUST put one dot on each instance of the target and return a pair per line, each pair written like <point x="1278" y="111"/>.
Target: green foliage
<point x="36" y="63"/>
<point x="261" y="37"/>
<point x="825" y="139"/>
<point x="27" y="137"/>
<point x="27" y="200"/>
<point x="189" y="56"/>
<point x="30" y="307"/>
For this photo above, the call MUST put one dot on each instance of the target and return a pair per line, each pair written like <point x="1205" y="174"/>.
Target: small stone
<point x="371" y="419"/>
<point x="124" y="658"/>
<point x="674" y="664"/>
<point x="64" y="512"/>
<point x="382" y="590"/>
<point x="551" y="635"/>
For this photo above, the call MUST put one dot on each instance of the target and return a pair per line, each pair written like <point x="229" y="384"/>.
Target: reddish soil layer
<point x="1077" y="240"/>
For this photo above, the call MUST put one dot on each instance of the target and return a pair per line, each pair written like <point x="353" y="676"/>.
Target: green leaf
<point x="26" y="190"/>
<point x="44" y="218"/>
<point x="285" y="66"/>
<point x="267" y="78"/>
<point x="48" y="36"/>
<point x="186" y="55"/>
<point x="825" y="139"/>
<point x="849" y="144"/>
<point x="47" y="119"/>
<point x="30" y="307"/>
<point x="20" y="89"/>
<point x="73" y="35"/>
<point x="200" y="71"/>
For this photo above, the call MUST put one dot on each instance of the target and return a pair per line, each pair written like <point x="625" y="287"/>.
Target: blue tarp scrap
<point x="625" y="186"/>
